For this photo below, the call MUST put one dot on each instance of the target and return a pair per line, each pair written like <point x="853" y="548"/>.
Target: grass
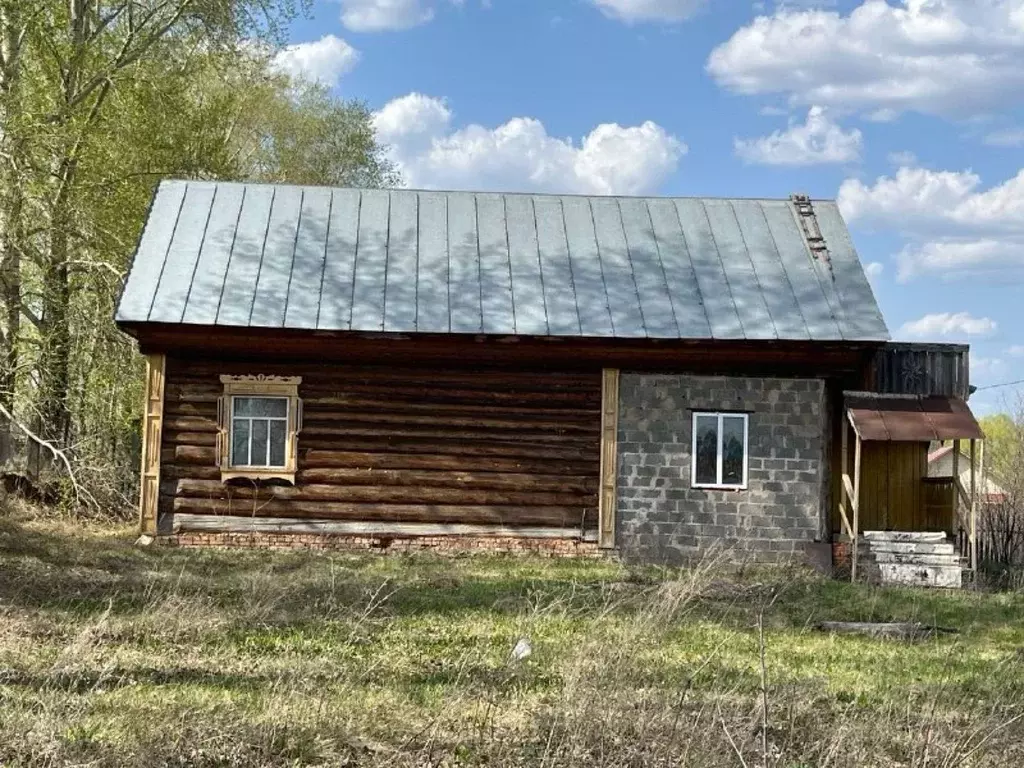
<point x="114" y="655"/>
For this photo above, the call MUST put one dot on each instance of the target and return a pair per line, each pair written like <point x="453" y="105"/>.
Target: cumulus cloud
<point x="632" y="11"/>
<point x="520" y="155"/>
<point x="817" y="141"/>
<point x="874" y="270"/>
<point x="1017" y="350"/>
<point x="947" y="324"/>
<point x="321" y="61"/>
<point x="944" y="57"/>
<point x="953" y="225"/>
<point x="379" y="15"/>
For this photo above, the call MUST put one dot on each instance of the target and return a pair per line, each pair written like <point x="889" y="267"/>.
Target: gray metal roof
<point x="457" y="262"/>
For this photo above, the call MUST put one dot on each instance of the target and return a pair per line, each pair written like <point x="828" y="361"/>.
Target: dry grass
<point x="111" y="655"/>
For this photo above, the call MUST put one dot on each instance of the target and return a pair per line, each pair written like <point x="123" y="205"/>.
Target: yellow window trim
<point x="259" y="386"/>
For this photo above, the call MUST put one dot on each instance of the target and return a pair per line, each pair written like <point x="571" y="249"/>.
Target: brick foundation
<point x="384" y="544"/>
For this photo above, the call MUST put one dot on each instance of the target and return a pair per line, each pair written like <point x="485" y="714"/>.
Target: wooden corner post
<point x="609" y="457"/>
<point x="152" y="431"/>
<point x="974" y="509"/>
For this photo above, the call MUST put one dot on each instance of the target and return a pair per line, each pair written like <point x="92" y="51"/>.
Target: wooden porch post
<point x="974" y="508"/>
<point x="956" y="484"/>
<point x="609" y="457"/>
<point x="856" y="509"/>
<point x="152" y="431"/>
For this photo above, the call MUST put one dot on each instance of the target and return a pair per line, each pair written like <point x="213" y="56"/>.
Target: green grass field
<point x="114" y="655"/>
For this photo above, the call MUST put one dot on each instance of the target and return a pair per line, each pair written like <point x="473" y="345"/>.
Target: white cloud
<point x="1017" y="350"/>
<point x="953" y="225"/>
<point x="815" y="142"/>
<point x="946" y="57"/>
<point x="874" y="270"/>
<point x="772" y="111"/>
<point x="946" y="324"/>
<point x="902" y="158"/>
<point x="321" y="61"/>
<point x="632" y="11"/>
<point x="520" y="155"/>
<point x="379" y="15"/>
<point x="1011" y="137"/>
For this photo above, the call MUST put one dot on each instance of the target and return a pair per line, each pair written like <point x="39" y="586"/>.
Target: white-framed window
<point x="259" y="419"/>
<point x="259" y="431"/>
<point x="719" y="450"/>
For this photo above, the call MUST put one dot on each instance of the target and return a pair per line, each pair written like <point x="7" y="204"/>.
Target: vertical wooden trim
<point x="609" y="457"/>
<point x="856" y="509"/>
<point x="152" y="436"/>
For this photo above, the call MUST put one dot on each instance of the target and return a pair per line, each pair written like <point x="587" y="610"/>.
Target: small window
<point x="259" y="420"/>
<point x="719" y="450"/>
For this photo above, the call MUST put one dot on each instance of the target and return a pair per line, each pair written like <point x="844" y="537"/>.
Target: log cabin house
<point x="402" y="369"/>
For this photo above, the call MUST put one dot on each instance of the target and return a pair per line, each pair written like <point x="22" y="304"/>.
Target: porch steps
<point x="925" y="559"/>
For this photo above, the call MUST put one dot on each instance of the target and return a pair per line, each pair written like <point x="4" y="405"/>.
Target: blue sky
<point x="910" y="112"/>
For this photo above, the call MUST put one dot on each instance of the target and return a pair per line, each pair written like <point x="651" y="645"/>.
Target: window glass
<point x="261" y="407"/>
<point x="707" y="449"/>
<point x="732" y="450"/>
<point x="277" y="441"/>
<point x="240" y="442"/>
<point x="259" y="430"/>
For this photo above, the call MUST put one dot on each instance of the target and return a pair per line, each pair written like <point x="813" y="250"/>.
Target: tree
<point x="98" y="101"/>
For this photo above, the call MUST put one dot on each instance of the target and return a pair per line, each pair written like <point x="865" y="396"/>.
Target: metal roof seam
<point x="231" y="253"/>
<point x="387" y="262"/>
<point x="199" y="253"/>
<point x="448" y="259"/>
<point x="753" y="269"/>
<point x="661" y="265"/>
<point x="167" y="250"/>
<point x="693" y="270"/>
<point x="632" y="269"/>
<point x="540" y="267"/>
<point x="355" y="261"/>
<point x="600" y="263"/>
<point x="725" y="275"/>
<point x="572" y="274"/>
<point x="291" y="270"/>
<point x="508" y="260"/>
<point x="416" y="287"/>
<point x="263" y="248"/>
<point x="323" y="264"/>
<point x="479" y="261"/>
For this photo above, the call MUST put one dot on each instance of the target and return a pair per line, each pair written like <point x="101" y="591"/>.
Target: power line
<point x="1005" y="384"/>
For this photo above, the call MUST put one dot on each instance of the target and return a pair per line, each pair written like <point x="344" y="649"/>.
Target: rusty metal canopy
<point x="910" y="418"/>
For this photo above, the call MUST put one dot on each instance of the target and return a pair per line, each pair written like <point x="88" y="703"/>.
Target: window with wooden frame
<point x="259" y="419"/>
<point x="720" y="450"/>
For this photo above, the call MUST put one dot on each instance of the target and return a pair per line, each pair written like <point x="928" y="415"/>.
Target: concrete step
<point x="909" y="547"/>
<point x="921" y="537"/>
<point x="946" y="576"/>
<point x="905" y="558"/>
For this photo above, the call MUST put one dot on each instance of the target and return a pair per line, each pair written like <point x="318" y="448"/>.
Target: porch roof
<point x="910" y="418"/>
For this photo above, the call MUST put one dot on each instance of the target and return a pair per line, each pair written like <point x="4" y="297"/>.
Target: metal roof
<point x="278" y="256"/>
<point x="910" y="418"/>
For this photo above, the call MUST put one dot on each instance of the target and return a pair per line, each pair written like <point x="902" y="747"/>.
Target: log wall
<point x="484" y="447"/>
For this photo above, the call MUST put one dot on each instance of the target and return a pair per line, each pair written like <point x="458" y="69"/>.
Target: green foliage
<point x="97" y="103"/>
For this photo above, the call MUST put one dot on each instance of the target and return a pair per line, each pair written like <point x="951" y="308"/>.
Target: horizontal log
<point x="381" y="404"/>
<point x="524" y="435"/>
<point x="238" y="524"/>
<point x="412" y="513"/>
<point x="448" y="479"/>
<point x="446" y="421"/>
<point x="190" y="424"/>
<point x="203" y="439"/>
<point x="516" y="449"/>
<point x="470" y="463"/>
<point x="367" y="494"/>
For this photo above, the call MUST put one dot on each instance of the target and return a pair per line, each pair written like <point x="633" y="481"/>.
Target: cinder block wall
<point x="662" y="519"/>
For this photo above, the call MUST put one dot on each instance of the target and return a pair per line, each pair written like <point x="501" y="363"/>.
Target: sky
<point x="909" y="112"/>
